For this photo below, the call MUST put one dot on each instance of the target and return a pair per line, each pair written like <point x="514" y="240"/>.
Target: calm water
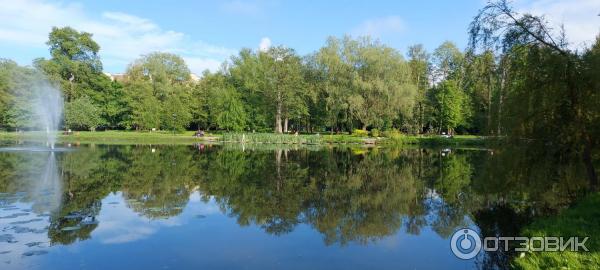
<point x="234" y="207"/>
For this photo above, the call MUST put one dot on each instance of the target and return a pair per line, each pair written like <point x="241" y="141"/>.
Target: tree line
<point x="515" y="78"/>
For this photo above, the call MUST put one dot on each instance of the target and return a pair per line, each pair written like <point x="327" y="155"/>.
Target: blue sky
<point x="206" y="33"/>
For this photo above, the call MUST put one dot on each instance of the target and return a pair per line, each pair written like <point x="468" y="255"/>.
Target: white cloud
<point x="120" y="224"/>
<point x="122" y="37"/>
<point x="580" y="18"/>
<point x="198" y="65"/>
<point x="380" y="27"/>
<point x="265" y="44"/>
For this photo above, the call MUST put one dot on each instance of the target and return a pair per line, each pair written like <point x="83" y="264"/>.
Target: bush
<point x="360" y="133"/>
<point x="375" y="132"/>
<point x="271" y="138"/>
<point x="392" y="133"/>
<point x="82" y="114"/>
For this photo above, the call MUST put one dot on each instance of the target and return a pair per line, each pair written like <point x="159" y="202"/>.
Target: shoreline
<point x="160" y="137"/>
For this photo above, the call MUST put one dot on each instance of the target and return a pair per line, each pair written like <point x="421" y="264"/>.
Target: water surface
<point x="245" y="207"/>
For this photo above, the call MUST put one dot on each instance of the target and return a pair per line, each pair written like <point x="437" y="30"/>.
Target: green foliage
<point x="375" y="132"/>
<point x="546" y="94"/>
<point x="449" y="106"/>
<point x="420" y="67"/>
<point x="360" y="133"/>
<point x="145" y="107"/>
<point x="175" y="115"/>
<point x="273" y="82"/>
<point x="370" y="82"/>
<point x="158" y="93"/>
<point x="228" y="111"/>
<point x="481" y="85"/>
<point x="82" y="114"/>
<point x="270" y="138"/>
<point x="219" y="104"/>
<point x="581" y="220"/>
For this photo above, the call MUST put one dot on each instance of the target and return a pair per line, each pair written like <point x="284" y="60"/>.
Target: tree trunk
<point x="489" y="105"/>
<point x="589" y="167"/>
<point x="278" y="123"/>
<point x="500" y="99"/>
<point x="278" y="115"/>
<point x="285" y="125"/>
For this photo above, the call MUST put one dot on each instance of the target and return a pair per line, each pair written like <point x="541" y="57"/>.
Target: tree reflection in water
<point x="347" y="194"/>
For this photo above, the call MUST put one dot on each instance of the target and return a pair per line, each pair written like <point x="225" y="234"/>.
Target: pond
<point x="268" y="207"/>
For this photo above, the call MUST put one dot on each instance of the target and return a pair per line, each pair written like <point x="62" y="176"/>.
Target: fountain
<point x="43" y="111"/>
<point x="47" y="109"/>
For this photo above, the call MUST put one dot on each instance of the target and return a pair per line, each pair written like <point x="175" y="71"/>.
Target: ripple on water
<point x="8" y="238"/>
<point x="25" y="221"/>
<point x="19" y="229"/>
<point x="35" y="252"/>
<point x="15" y="215"/>
<point x="34" y="244"/>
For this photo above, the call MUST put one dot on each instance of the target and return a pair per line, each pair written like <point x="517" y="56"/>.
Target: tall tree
<point x="420" y="71"/>
<point x="158" y="88"/>
<point x="449" y="105"/>
<point x="335" y="83"/>
<point x="74" y="62"/>
<point x="377" y="79"/>
<point x="480" y="82"/>
<point x="549" y="99"/>
<point x="81" y="113"/>
<point x="448" y="62"/>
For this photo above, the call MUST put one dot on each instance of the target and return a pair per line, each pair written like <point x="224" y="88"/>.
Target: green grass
<point x="311" y="139"/>
<point x="271" y="138"/>
<point x="581" y="220"/>
<point x="164" y="137"/>
<point x="113" y="137"/>
<point x="434" y="140"/>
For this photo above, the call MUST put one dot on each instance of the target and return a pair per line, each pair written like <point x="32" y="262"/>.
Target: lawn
<point x="113" y="137"/>
<point x="581" y="220"/>
<point x="164" y="137"/>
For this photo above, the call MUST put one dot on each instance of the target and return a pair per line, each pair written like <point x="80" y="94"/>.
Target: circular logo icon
<point x="465" y="244"/>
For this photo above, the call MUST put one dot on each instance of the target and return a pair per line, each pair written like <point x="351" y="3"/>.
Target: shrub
<point x="360" y="133"/>
<point x="392" y="133"/>
<point x="375" y="132"/>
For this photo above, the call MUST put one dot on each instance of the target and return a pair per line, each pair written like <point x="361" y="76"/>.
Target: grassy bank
<point x="394" y="140"/>
<point x="113" y="137"/>
<point x="581" y="220"/>
<point x="163" y="137"/>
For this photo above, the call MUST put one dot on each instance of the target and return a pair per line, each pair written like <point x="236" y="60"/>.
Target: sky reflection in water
<point x="182" y="207"/>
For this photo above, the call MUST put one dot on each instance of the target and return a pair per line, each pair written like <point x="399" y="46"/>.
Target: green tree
<point x="334" y="80"/>
<point x="74" y="62"/>
<point x="448" y="103"/>
<point x="75" y="65"/>
<point x="377" y="77"/>
<point x="273" y="82"/>
<point x="547" y="93"/>
<point x="480" y="82"/>
<point x="81" y="113"/>
<point x="228" y="112"/>
<point x="448" y="62"/>
<point x="175" y="114"/>
<point x="283" y="84"/>
<point x="420" y="71"/>
<point x="145" y="107"/>
<point x="158" y="91"/>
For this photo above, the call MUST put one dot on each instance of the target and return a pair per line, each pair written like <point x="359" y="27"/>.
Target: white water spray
<point x="47" y="107"/>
